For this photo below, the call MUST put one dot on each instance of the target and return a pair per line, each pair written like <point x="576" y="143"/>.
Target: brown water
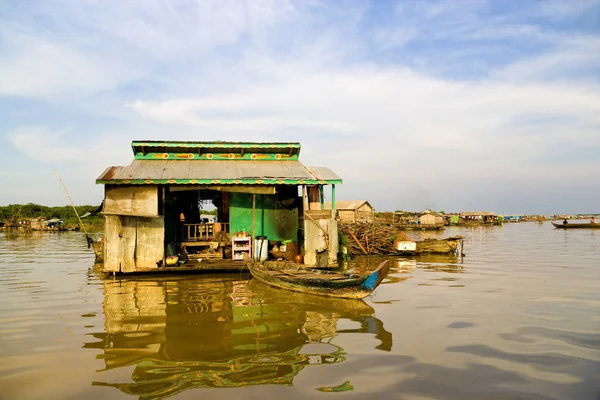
<point x="517" y="318"/>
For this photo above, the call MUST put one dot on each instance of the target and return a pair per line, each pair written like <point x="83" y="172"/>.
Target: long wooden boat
<point x="325" y="283"/>
<point x="577" y="225"/>
<point x="282" y="264"/>
<point x="449" y="245"/>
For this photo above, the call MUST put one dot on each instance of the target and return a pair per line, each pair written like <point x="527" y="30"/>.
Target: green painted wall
<point x="274" y="222"/>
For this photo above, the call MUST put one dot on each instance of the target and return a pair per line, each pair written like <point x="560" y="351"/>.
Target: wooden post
<point x="322" y="196"/>
<point x="253" y="220"/>
<point x="333" y="197"/>
<point x="304" y="198"/>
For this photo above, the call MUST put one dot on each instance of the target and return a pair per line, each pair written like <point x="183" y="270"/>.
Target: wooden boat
<point x="325" y="283"/>
<point x="282" y="264"/>
<point x="430" y="246"/>
<point x="577" y="225"/>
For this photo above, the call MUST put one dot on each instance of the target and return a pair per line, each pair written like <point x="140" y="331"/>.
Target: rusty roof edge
<point x="310" y="172"/>
<point x="108" y="174"/>
<point x="333" y="178"/>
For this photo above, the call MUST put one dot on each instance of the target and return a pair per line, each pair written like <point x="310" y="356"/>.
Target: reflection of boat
<point x="430" y="246"/>
<point x="438" y="258"/>
<point x="577" y="226"/>
<point x="184" y="332"/>
<point x="325" y="283"/>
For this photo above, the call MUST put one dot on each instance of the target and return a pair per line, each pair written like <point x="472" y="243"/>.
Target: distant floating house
<point x="480" y="217"/>
<point x="352" y="210"/>
<point x="513" y="217"/>
<point x="431" y="218"/>
<point x="153" y="207"/>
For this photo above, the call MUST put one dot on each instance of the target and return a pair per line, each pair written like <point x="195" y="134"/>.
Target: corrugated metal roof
<point x="210" y="171"/>
<point x="323" y="174"/>
<point x="346" y="204"/>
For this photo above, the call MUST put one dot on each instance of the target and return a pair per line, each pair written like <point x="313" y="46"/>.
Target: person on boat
<point x="592" y="220"/>
<point x="565" y="222"/>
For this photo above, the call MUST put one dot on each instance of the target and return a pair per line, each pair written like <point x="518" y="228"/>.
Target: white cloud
<point x="32" y="66"/>
<point x="569" y="60"/>
<point x="44" y="145"/>
<point x="391" y="120"/>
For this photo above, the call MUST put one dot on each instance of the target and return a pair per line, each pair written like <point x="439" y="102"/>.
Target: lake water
<point x="517" y="318"/>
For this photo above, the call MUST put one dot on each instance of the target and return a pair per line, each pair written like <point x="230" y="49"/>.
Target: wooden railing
<point x="203" y="231"/>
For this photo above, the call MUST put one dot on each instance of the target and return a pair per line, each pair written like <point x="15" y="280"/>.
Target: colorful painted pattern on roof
<point x="218" y="181"/>
<point x="162" y="150"/>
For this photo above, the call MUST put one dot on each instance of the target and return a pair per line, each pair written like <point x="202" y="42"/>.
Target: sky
<point x="458" y="105"/>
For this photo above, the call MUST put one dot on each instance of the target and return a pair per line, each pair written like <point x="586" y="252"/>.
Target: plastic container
<point x="261" y="248"/>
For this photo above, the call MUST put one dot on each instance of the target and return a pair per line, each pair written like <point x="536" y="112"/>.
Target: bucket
<point x="322" y="258"/>
<point x="261" y="248"/>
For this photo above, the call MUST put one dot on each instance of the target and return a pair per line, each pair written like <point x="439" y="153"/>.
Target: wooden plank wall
<point x="314" y="235"/>
<point x="128" y="244"/>
<point x="132" y="243"/>
<point x="150" y="241"/>
<point x="112" y="243"/>
<point x="130" y="200"/>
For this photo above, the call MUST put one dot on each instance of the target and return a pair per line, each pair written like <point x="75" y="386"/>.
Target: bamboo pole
<point x="357" y="241"/>
<point x="89" y="240"/>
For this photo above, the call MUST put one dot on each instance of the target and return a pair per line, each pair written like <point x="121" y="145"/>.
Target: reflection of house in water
<point x="216" y="331"/>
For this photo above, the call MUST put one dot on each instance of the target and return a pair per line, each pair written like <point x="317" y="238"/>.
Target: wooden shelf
<point x="241" y="247"/>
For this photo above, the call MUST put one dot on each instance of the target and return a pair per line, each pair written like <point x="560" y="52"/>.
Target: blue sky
<point x="450" y="105"/>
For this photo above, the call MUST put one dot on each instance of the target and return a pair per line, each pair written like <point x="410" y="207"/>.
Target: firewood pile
<point x="370" y="238"/>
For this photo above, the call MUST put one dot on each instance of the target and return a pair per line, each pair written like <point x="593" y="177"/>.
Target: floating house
<point x="478" y="217"/>
<point x="263" y="194"/>
<point x="430" y="218"/>
<point x="350" y="211"/>
<point x="513" y="217"/>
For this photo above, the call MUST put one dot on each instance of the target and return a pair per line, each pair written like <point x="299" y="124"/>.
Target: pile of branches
<point x="369" y="238"/>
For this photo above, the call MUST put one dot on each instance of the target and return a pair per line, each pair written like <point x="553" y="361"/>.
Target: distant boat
<point x="577" y="225"/>
<point x="325" y="283"/>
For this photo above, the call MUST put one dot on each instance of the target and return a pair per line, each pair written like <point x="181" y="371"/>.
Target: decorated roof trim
<point x="262" y="145"/>
<point x="218" y="181"/>
<point x="215" y="156"/>
<point x="165" y="150"/>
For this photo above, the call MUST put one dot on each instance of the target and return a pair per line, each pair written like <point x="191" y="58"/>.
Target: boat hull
<point x="577" y="226"/>
<point x="429" y="246"/>
<point x="438" y="246"/>
<point x="323" y="283"/>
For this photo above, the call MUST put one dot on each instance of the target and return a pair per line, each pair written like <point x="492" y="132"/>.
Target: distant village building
<point x="513" y="217"/>
<point x="353" y="210"/>
<point x="481" y="217"/>
<point x="430" y="218"/>
<point x="42" y="224"/>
